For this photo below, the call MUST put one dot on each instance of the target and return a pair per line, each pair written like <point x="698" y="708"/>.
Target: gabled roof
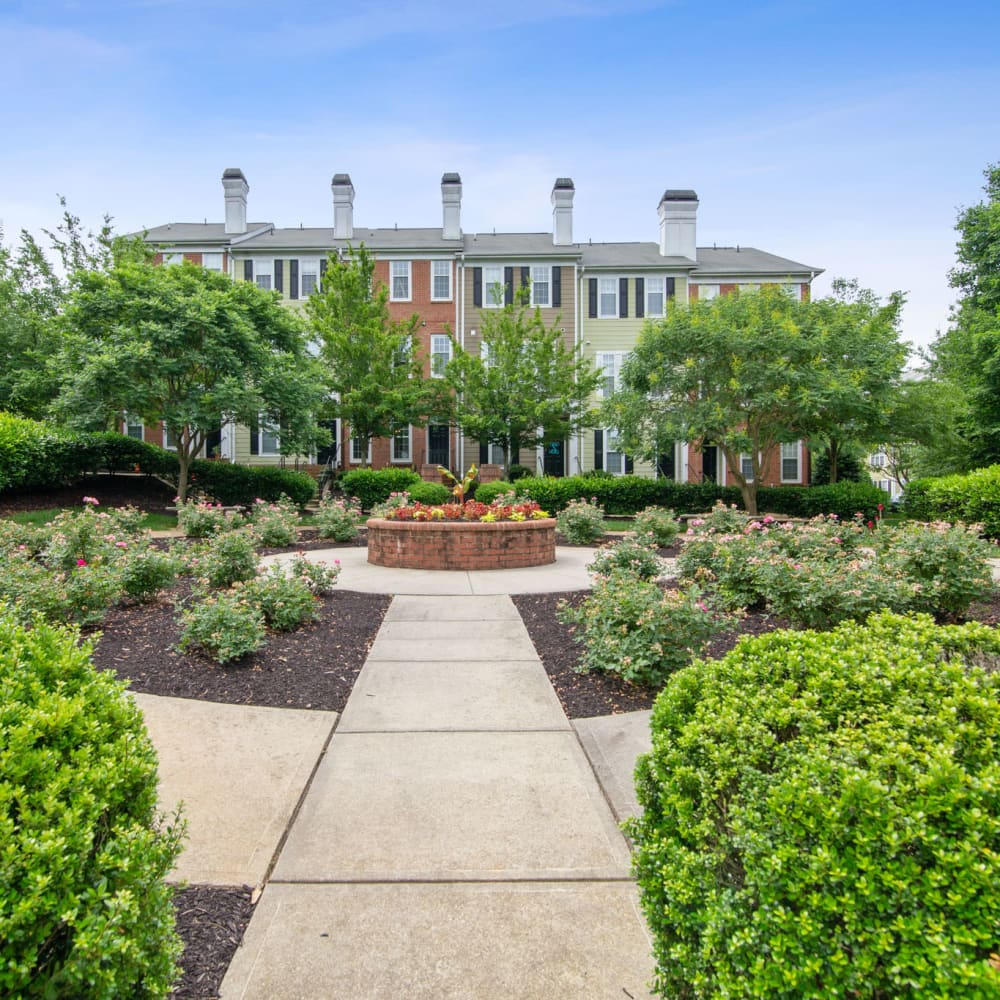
<point x="194" y="232"/>
<point x="625" y="256"/>
<point x="520" y="245"/>
<point x="732" y="261"/>
<point x="375" y="239"/>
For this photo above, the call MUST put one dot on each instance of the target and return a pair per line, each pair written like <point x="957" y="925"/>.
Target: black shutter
<point x="598" y="449"/>
<point x="628" y="466"/>
<point x="322" y="269"/>
<point x="640" y="298"/>
<point x="279" y="275"/>
<point x="248" y="270"/>
<point x="477" y="286"/>
<point x="508" y="286"/>
<point x="254" y="437"/>
<point x="557" y="286"/>
<point x="623" y="298"/>
<point x="671" y="287"/>
<point x="525" y="277"/>
<point x="293" y="278"/>
<point x="484" y="454"/>
<point x="592" y="296"/>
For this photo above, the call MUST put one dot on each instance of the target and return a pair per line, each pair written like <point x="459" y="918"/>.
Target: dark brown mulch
<point x="211" y="920"/>
<point x="144" y="492"/>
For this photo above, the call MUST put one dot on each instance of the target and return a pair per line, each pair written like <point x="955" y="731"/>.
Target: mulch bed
<point x="144" y="492"/>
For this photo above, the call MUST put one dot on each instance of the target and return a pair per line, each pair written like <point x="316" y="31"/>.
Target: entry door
<point x="710" y="463"/>
<point x="328" y="453"/>
<point x="665" y="467"/>
<point x="555" y="460"/>
<point x="438" y="441"/>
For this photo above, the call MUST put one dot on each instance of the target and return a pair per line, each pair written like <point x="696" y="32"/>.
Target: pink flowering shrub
<point x="200" y="519"/>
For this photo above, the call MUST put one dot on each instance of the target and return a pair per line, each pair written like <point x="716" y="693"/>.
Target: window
<point x="655" y="296"/>
<point x="707" y="292"/>
<point x="440" y="280"/>
<point x="356" y="456"/>
<point x="610" y="363"/>
<point x="790" y="462"/>
<point x="172" y="257"/>
<point x="399" y="271"/>
<point x="614" y="460"/>
<point x="487" y="353"/>
<point x="794" y="292"/>
<point x="401" y="352"/>
<point x="746" y="467"/>
<point x="607" y="298"/>
<point x="440" y="354"/>
<point x="211" y="261"/>
<point x="401" y="445"/>
<point x="308" y="276"/>
<point x="493" y="287"/>
<point x="133" y="427"/>
<point x="264" y="438"/>
<point x="263" y="274"/>
<point x="878" y="460"/>
<point x="541" y="286"/>
<point x="169" y="439"/>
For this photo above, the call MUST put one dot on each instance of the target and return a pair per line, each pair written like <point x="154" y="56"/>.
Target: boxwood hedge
<point x="822" y="816"/>
<point x="973" y="498"/>
<point x="84" y="909"/>
<point x="373" y="486"/>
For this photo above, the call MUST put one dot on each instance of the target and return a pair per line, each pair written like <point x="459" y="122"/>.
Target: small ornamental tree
<point x="523" y="385"/>
<point x="188" y="347"/>
<point x="372" y="368"/>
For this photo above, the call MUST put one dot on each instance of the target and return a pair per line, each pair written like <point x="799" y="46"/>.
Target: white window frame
<point x="129" y="424"/>
<point x="490" y="283"/>
<point x="495" y="453"/>
<point x="172" y="256"/>
<point x="708" y="292"/>
<point x="400" y="459"/>
<point x="263" y="268"/>
<point x="403" y="353"/>
<point x="610" y="363"/>
<point x="212" y="260"/>
<point x="400" y="270"/>
<point x="793" y="290"/>
<point x="438" y="366"/>
<point x="603" y="284"/>
<point x="440" y="269"/>
<point x="269" y="432"/>
<point x="167" y="438"/>
<point x="308" y="266"/>
<point x="611" y="437"/>
<point x="655" y="286"/>
<point x="353" y="458"/>
<point x="791" y="451"/>
<point x="541" y="277"/>
<point x="746" y="467"/>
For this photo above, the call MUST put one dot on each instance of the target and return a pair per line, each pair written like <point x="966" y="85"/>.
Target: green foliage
<point x="226" y="558"/>
<point x="430" y="494"/>
<point x="516" y="472"/>
<point x="285" y="601"/>
<point x="201" y="518"/>
<point x="318" y="575"/>
<point x="820" y="817"/>
<point x="372" y="486"/>
<point x="144" y="571"/>
<point x="372" y="370"/>
<point x="522" y="385"/>
<point x="79" y="596"/>
<point x="84" y="908"/>
<point x="630" y="556"/>
<point x="225" y="626"/>
<point x="338" y="519"/>
<point x="189" y="347"/>
<point x="581" y="522"/>
<point x="89" y="535"/>
<point x="973" y="498"/>
<point x="276" y="523"/>
<point x="659" y="523"/>
<point x="488" y="492"/>
<point x="850" y="468"/>
<point x="241" y="485"/>
<point x="634" y="628"/>
<point x="845" y="499"/>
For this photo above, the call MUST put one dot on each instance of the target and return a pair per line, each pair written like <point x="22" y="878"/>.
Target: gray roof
<point x="195" y="232"/>
<point x="516" y="245"/>
<point x="731" y="261"/>
<point x="624" y="256"/>
<point x="374" y="239"/>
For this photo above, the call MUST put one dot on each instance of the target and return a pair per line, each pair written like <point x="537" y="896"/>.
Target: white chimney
<point x="678" y="213"/>
<point x="562" y="212"/>
<point x="235" y="186"/>
<point x="451" y="204"/>
<point x="343" y="206"/>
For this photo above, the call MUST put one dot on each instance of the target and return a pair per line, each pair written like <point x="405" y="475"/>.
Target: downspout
<point x="578" y="270"/>
<point x="460" y="321"/>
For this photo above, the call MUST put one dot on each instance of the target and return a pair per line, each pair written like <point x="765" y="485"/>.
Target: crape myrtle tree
<point x="372" y="367"/>
<point x="967" y="356"/>
<point x="190" y="348"/>
<point x="521" y="385"/>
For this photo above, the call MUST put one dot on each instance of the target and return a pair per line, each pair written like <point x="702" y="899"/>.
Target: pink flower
<point x="81" y="562"/>
<point x="91" y="500"/>
<point x="121" y="545"/>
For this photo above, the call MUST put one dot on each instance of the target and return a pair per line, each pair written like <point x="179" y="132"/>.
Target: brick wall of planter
<point x="461" y="544"/>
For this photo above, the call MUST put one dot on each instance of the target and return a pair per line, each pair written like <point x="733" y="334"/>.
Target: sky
<point x="842" y="135"/>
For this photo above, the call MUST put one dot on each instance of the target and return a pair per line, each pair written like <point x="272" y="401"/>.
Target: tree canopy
<point x="191" y="348"/>
<point x="521" y="384"/>
<point x="373" y="367"/>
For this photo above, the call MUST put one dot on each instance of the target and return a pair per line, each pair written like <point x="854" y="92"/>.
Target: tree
<point x="968" y="355"/>
<point x="742" y="372"/>
<point x="372" y="367"/>
<point x="188" y="347"/>
<point x="863" y="359"/>
<point x="524" y="385"/>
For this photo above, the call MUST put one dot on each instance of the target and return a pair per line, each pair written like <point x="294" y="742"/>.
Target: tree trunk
<point x="184" y="466"/>
<point x="749" y="493"/>
<point x="833" y="450"/>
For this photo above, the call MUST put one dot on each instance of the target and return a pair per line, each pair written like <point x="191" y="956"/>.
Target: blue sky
<point x="843" y="135"/>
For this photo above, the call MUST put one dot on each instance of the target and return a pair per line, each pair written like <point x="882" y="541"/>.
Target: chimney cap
<point x="564" y="182"/>
<point x="233" y="173"/>
<point x="671" y="195"/>
<point x="339" y="179"/>
<point x="451" y="179"/>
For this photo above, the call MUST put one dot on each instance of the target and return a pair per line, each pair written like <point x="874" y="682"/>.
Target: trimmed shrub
<point x="225" y="626"/>
<point x="240" y="485"/>
<point x="514" y="473"/>
<point x="286" y="602"/>
<point x="84" y="909"/>
<point x="430" y="494"/>
<point x="144" y="571"/>
<point x="581" y="522"/>
<point x="843" y="499"/>
<point x="373" y="486"/>
<point x="275" y="523"/>
<point x="337" y="519"/>
<point x="820" y="816"/>
<point x="488" y="492"/>
<point x="202" y="519"/>
<point x="973" y="498"/>
<point x="659" y="523"/>
<point x="631" y="556"/>
<point x="226" y="559"/>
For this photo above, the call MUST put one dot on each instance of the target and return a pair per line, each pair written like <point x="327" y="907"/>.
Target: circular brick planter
<point x="461" y="544"/>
